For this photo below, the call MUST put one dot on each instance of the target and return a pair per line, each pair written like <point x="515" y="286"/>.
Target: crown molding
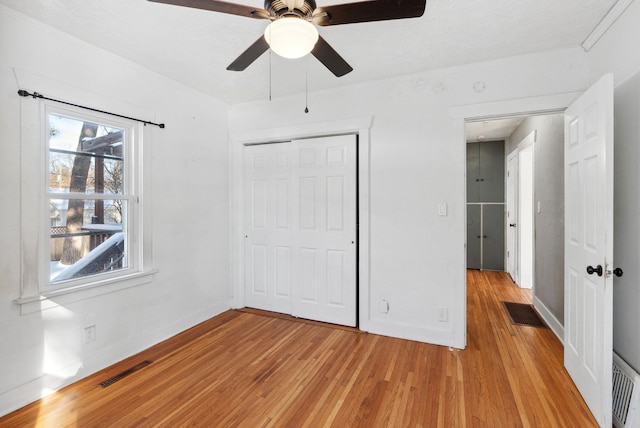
<point x="606" y="22"/>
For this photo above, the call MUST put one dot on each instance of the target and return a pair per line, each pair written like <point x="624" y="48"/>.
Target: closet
<point x="485" y="205"/>
<point x="300" y="228"/>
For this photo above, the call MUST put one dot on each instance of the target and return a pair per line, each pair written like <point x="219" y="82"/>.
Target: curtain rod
<point x="24" y="93"/>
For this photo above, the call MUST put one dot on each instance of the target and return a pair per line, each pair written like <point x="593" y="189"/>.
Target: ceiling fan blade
<point x="247" y="57"/>
<point x="220" y="6"/>
<point x="330" y="58"/>
<point x="367" y="11"/>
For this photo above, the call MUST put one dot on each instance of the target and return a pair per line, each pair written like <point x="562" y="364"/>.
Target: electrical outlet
<point x="383" y="306"/>
<point x="443" y="314"/>
<point x="89" y="334"/>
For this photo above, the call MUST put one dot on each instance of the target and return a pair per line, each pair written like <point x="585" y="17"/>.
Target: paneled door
<point x="325" y="215"/>
<point x="269" y="229"/>
<point x="588" y="309"/>
<point x="300" y="228"/>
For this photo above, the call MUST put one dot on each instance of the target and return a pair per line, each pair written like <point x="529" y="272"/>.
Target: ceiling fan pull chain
<point x="270" y="52"/>
<point x="306" y="88"/>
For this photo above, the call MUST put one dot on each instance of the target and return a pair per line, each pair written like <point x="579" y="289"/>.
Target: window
<point x="91" y="198"/>
<point x="81" y="228"/>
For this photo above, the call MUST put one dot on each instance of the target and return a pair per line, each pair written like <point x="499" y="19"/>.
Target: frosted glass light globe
<point x="291" y="37"/>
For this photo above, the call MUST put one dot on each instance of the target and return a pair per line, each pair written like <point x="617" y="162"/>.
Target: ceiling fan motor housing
<point x="279" y="8"/>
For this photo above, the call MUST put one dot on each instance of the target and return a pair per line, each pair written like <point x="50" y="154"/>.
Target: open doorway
<point x="533" y="202"/>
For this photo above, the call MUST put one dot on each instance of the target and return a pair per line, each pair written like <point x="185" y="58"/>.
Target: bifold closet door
<point x="300" y="227"/>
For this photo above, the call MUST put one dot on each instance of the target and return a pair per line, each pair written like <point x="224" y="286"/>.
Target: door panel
<point x="268" y="227"/>
<point x="493" y="237"/>
<point x="473" y="172"/>
<point x="330" y="164"/>
<point x="589" y="242"/>
<point x="335" y="278"/>
<point x="259" y="269"/>
<point x="492" y="171"/>
<point x="308" y="275"/>
<point x="474" y="229"/>
<point x="283" y="271"/>
<point x="335" y="203"/>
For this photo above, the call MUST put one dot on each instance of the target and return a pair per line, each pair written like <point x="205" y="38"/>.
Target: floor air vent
<point x="124" y="374"/>
<point x="626" y="394"/>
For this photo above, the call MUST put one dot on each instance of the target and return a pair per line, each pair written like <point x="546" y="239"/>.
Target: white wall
<point x="617" y="52"/>
<point x="186" y="202"/>
<point x="417" y="160"/>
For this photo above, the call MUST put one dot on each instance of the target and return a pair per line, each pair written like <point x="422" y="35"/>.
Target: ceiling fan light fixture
<point x="291" y="37"/>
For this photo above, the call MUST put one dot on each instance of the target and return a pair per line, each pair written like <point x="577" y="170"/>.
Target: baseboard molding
<point x="553" y="323"/>
<point x="42" y="386"/>
<point x="443" y="337"/>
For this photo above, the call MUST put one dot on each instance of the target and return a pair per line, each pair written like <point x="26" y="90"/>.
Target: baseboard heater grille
<point x="626" y="394"/>
<point x="124" y="374"/>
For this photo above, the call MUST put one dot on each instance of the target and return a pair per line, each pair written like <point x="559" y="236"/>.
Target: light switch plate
<point x="442" y="209"/>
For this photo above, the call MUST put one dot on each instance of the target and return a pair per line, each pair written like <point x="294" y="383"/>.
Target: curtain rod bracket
<point x="24" y="93"/>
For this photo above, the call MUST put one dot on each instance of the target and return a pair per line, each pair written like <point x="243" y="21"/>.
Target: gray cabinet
<point x="485" y="205"/>
<point x="493" y="236"/>
<point x="485" y="236"/>
<point x="485" y="172"/>
<point x="474" y="236"/>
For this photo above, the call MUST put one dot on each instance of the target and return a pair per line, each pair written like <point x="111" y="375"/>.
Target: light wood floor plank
<point x="248" y="368"/>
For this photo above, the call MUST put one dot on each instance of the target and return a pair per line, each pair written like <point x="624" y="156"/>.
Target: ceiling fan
<point x="291" y="33"/>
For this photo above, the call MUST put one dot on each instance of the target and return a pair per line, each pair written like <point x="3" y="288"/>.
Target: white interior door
<point x="300" y="228"/>
<point x="269" y="230"/>
<point x="325" y="181"/>
<point x="588" y="314"/>
<point x="512" y="216"/>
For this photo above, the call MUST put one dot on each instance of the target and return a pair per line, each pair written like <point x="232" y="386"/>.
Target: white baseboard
<point x="43" y="385"/>
<point x="443" y="337"/>
<point x="553" y="323"/>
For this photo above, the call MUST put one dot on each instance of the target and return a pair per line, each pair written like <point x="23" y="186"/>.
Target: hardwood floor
<point x="245" y="368"/>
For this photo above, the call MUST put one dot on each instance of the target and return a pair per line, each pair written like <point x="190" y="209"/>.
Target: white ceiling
<point x="195" y="46"/>
<point x="491" y="130"/>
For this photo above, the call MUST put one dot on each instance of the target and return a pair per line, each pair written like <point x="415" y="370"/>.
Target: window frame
<point x="37" y="291"/>
<point x="129" y="189"/>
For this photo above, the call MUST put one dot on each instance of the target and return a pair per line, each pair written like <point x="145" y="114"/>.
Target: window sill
<point x="44" y="301"/>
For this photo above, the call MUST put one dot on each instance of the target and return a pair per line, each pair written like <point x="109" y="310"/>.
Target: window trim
<point x="37" y="292"/>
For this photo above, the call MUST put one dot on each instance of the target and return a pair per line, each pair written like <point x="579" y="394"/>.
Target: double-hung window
<point x="92" y="199"/>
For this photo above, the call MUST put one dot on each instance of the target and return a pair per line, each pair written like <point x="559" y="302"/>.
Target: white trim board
<point x="614" y="13"/>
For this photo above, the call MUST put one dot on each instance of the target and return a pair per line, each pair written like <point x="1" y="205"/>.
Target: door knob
<point x="618" y="272"/>
<point x="591" y="270"/>
<point x="512" y="225"/>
